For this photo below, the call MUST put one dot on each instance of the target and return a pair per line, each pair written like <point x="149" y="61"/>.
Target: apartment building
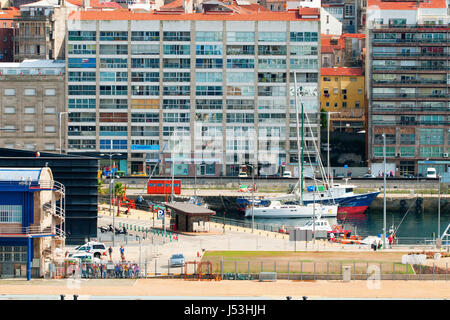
<point x="345" y="11"/>
<point x="32" y="95"/>
<point x="343" y="96"/>
<point x="408" y="80"/>
<point x="213" y="88"/>
<point x="7" y="17"/>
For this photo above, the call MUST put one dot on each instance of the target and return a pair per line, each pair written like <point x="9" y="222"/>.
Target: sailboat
<point x="276" y="209"/>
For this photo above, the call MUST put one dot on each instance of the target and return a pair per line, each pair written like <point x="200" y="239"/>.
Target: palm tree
<point x="119" y="191"/>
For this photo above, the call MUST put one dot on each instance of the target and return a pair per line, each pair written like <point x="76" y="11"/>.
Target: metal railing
<point x="14" y="230"/>
<point x="250" y="270"/>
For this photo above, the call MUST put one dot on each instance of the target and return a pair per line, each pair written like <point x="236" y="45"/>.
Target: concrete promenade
<point x="226" y="289"/>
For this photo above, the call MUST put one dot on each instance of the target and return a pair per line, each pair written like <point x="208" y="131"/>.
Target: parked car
<point x="368" y="176"/>
<point x="177" y="260"/>
<point x="83" y="256"/>
<point x="243" y="175"/>
<point x="97" y="249"/>
<point x="409" y="176"/>
<point x="339" y="176"/>
<point x="287" y="174"/>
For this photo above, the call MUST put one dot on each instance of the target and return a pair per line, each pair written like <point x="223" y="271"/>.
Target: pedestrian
<point x="116" y="270"/>
<point x="379" y="245"/>
<point x="125" y="271"/>
<point x="374" y="245"/>
<point x="390" y="239"/>
<point x="331" y="237"/>
<point x="120" y="271"/>
<point x="136" y="270"/>
<point x="128" y="210"/>
<point x="110" y="250"/>
<point x="122" y="253"/>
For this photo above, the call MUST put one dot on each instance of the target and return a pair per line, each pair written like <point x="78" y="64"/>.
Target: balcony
<point x="410" y="109"/>
<point x="411" y="83"/>
<point x="401" y="96"/>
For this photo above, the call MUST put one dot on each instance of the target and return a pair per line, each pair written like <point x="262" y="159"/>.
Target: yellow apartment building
<point x="342" y="91"/>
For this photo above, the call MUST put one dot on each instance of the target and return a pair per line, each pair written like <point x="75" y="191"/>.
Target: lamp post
<point x="111" y="190"/>
<point x="384" y="198"/>
<point x="439" y="207"/>
<point x="253" y="195"/>
<point x="60" y="126"/>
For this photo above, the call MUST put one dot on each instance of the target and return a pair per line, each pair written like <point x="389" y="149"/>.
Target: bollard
<point x="62" y="296"/>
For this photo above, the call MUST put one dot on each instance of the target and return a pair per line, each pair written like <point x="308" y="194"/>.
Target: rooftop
<point x="341" y="71"/>
<point x="189" y="209"/>
<point x="406" y="5"/>
<point x="243" y="15"/>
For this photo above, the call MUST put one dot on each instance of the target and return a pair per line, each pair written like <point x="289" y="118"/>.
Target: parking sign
<point x="160" y="213"/>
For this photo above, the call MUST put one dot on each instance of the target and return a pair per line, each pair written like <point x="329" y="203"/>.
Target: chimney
<point x="188" y="6"/>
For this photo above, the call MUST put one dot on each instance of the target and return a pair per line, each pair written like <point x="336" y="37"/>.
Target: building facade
<point x="408" y="78"/>
<point x="159" y="85"/>
<point x="32" y="96"/>
<point x="31" y="222"/>
<point x="7" y="25"/>
<point x="343" y="96"/>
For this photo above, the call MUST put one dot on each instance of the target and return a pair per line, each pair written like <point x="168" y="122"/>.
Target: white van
<point x="431" y="173"/>
<point x="287" y="174"/>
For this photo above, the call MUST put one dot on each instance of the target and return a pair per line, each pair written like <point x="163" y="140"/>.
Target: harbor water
<point x="410" y="225"/>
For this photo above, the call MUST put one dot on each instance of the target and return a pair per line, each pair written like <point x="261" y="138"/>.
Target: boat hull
<point x="355" y="204"/>
<point x="292" y="211"/>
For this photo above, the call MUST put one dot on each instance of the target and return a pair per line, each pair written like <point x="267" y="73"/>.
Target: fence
<point x="251" y="270"/>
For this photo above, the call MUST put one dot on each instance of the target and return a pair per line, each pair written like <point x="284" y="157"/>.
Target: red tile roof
<point x="406" y="5"/>
<point x="341" y="71"/>
<point x="9" y="13"/>
<point x="354" y="35"/>
<point x="126" y="14"/>
<point x="96" y="4"/>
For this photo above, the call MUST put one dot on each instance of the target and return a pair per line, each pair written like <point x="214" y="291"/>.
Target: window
<point x="113" y="35"/>
<point x="240" y="63"/>
<point x="82" y="49"/>
<point x="29" y="128"/>
<point x="10" y="214"/>
<point x="29" y="110"/>
<point x="208" y="90"/>
<point x="82" y="62"/>
<point x="304" y="36"/>
<point x="207" y="63"/>
<point x="114" y="76"/>
<point x="240" y="36"/>
<point x="145" y="36"/>
<point x="145" y="77"/>
<point x="138" y="49"/>
<point x="177" y="36"/>
<point x="247" y="91"/>
<point x="50" y="110"/>
<point x="272" y="36"/>
<point x="175" y="104"/>
<point x="113" y="90"/>
<point x="113" y="49"/>
<point x="80" y="76"/>
<point x="208" y="49"/>
<point x="82" y="35"/>
<point x="81" y="103"/>
<point x="10" y="92"/>
<point x="109" y="63"/>
<point x="176" y="49"/>
<point x="270" y="63"/>
<point x="9" y="110"/>
<point x="177" y="63"/>
<point x="176" y="77"/>
<point x="208" y="77"/>
<point x="240" y="77"/>
<point x="50" y="92"/>
<point x="145" y="90"/>
<point x="50" y="129"/>
<point x="208" y="104"/>
<point x="272" y="50"/>
<point x="50" y="146"/>
<point x="208" y="36"/>
<point x="176" y="90"/>
<point x="240" y="49"/>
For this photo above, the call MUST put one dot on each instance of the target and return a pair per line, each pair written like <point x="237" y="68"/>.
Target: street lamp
<point x="60" y="138"/>
<point x="111" y="190"/>
<point x="384" y="198"/>
<point x="439" y="206"/>
<point x="253" y="195"/>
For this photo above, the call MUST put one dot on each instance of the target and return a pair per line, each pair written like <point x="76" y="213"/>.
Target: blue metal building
<point x="31" y="220"/>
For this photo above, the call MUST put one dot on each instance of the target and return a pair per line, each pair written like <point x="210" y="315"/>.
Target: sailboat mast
<point x="299" y="146"/>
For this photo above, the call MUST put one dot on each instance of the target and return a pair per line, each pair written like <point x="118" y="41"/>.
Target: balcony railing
<point x="411" y="40"/>
<point x="408" y="95"/>
<point x="414" y="54"/>
<point x="410" y="123"/>
<point x="411" y="26"/>
<point x="376" y="108"/>
<point x="25" y="231"/>
<point x="412" y="81"/>
<point x="400" y="68"/>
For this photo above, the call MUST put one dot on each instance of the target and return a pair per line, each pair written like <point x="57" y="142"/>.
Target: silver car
<point x="177" y="260"/>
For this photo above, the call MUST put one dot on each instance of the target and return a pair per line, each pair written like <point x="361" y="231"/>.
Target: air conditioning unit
<point x="445" y="155"/>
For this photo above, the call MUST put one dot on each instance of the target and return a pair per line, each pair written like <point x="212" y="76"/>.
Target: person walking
<point x="390" y="239"/>
<point x="331" y="237"/>
<point x="122" y="253"/>
<point x="110" y="250"/>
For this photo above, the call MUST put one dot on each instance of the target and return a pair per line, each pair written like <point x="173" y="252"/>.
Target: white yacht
<point x="318" y="225"/>
<point x="278" y="210"/>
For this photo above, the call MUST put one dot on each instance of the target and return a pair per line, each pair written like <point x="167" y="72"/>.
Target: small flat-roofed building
<point x="31" y="221"/>
<point x="188" y="214"/>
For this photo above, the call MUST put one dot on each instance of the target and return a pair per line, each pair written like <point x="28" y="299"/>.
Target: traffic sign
<point x="160" y="213"/>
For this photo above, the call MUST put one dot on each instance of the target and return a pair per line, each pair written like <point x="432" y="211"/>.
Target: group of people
<point x="377" y="244"/>
<point x="103" y="271"/>
<point x="389" y="174"/>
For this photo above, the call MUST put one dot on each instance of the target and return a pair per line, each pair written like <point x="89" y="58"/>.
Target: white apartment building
<point x="212" y="88"/>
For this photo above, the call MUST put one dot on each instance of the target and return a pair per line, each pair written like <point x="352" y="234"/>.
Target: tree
<point x="119" y="191"/>
<point x="323" y="119"/>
